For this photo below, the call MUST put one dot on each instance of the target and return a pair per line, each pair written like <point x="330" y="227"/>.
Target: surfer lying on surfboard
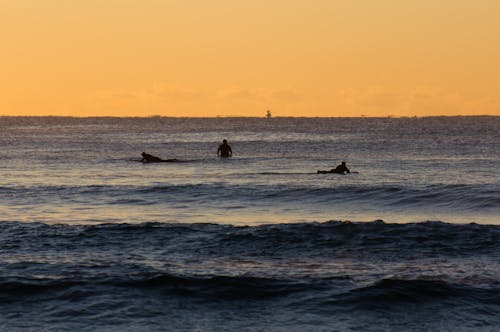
<point x="340" y="169"/>
<point x="147" y="158"/>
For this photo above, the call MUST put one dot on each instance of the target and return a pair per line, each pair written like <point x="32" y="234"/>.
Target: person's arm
<point x="218" y="151"/>
<point x="230" y="151"/>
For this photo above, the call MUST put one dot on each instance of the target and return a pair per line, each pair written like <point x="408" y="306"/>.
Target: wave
<point x="457" y="197"/>
<point x="389" y="294"/>
<point x="331" y="270"/>
<point x="325" y="292"/>
<point x="356" y="238"/>
<point x="201" y="286"/>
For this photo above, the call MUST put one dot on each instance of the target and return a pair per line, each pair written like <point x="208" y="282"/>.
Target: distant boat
<point x="268" y="114"/>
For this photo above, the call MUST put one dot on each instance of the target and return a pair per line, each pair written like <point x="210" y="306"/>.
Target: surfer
<point x="224" y="150"/>
<point x="148" y="158"/>
<point x="340" y="169"/>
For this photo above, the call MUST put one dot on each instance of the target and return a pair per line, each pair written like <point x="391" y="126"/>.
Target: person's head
<point x="224" y="141"/>
<point x="343" y="163"/>
<point x="143" y="154"/>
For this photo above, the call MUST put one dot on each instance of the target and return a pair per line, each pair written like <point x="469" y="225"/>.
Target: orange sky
<point x="240" y="58"/>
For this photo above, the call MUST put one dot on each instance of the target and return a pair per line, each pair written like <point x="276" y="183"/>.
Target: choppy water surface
<point x="91" y="239"/>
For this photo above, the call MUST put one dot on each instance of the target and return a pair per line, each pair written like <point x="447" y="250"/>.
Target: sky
<point x="241" y="58"/>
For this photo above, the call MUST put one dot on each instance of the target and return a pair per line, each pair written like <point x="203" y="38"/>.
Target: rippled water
<point x="91" y="239"/>
<point x="285" y="277"/>
<point x="82" y="170"/>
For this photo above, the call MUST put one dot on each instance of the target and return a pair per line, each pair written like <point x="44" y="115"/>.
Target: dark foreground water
<point x="93" y="240"/>
<point x="332" y="276"/>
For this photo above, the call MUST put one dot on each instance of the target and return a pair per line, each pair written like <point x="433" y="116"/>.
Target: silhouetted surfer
<point x="224" y="150"/>
<point x="147" y="158"/>
<point x="340" y="169"/>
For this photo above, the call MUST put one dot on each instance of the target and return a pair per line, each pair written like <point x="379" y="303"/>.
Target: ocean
<point x="92" y="239"/>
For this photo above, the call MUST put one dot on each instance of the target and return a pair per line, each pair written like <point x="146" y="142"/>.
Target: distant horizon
<point x="250" y="117"/>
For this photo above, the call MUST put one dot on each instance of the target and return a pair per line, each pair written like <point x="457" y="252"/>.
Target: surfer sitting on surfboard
<point x="147" y="158"/>
<point x="340" y="169"/>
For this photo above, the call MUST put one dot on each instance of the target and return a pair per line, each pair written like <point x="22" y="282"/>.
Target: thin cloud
<point x="416" y="101"/>
<point x="260" y="95"/>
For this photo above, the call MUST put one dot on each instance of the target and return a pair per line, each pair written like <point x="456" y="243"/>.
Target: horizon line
<point x="248" y="117"/>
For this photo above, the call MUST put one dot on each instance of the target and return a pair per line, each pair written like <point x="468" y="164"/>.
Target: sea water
<point x="93" y="239"/>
